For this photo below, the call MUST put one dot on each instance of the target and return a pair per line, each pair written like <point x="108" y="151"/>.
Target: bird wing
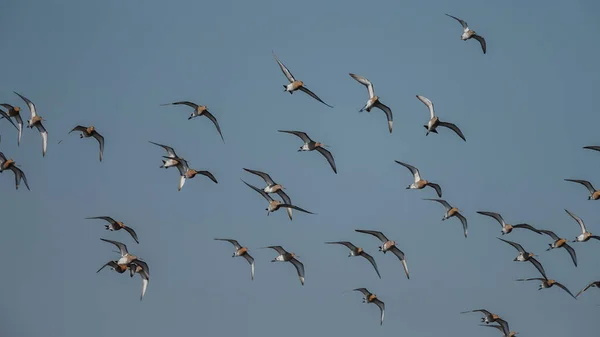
<point x="2" y="158"/>
<point x="539" y="267"/>
<point x="463" y="220"/>
<point x="400" y="256"/>
<point x="349" y="245"/>
<point x="329" y="157"/>
<point x="313" y="95"/>
<point x="233" y="242"/>
<point x="122" y="247"/>
<point x="514" y="244"/>
<point x="264" y="176"/>
<point x="79" y="128"/>
<point x="44" y="135"/>
<point x="436" y="187"/>
<point x="462" y="22"/>
<point x="485" y="312"/>
<point x="549" y="233"/>
<point x="381" y="306"/>
<point x="250" y="260"/>
<point x="428" y="103"/>
<point x="286" y="200"/>
<point x="571" y="252"/>
<point x="364" y="291"/>
<point x="388" y="113"/>
<point x="29" y="103"/>
<point x="295" y="207"/>
<point x="565" y="289"/>
<point x="214" y="120"/>
<point x="365" y="82"/>
<point x="188" y="103"/>
<point x="377" y="234"/>
<point x="284" y="69"/>
<point x="454" y="128"/>
<point x="504" y="326"/>
<point x="20" y="124"/>
<point x="579" y="221"/>
<point x="496" y="216"/>
<point x="105" y="218"/>
<point x="586" y="288"/>
<point x="18" y="176"/>
<point x="132" y="233"/>
<point x="412" y="169"/>
<point x="209" y="175"/>
<point x="481" y="41"/>
<point x="261" y="192"/>
<point x="278" y="249"/>
<point x="526" y="226"/>
<point x="597" y="148"/>
<point x="169" y="149"/>
<point x="585" y="183"/>
<point x="300" y="134"/>
<point x="7" y="117"/>
<point x="100" y="140"/>
<point x="112" y="264"/>
<point x="299" y="268"/>
<point x="446" y="205"/>
<point x="532" y="279"/>
<point x="372" y="260"/>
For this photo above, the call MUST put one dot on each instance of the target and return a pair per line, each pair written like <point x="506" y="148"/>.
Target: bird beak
<point x="515" y="259"/>
<point x="408" y="187"/>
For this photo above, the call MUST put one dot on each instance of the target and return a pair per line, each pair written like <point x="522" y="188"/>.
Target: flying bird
<point x="373" y="101"/>
<point x="357" y="251"/>
<point x="9" y="164"/>
<point x="295" y="84"/>
<point x="560" y="243"/>
<point x="420" y="183"/>
<point x="507" y="228"/>
<point x="116" y="225"/>
<point x="595" y="284"/>
<point x="284" y="256"/>
<point x="585" y="235"/>
<point x="186" y="172"/>
<point x="140" y="267"/>
<point x="273" y="187"/>
<point x="126" y="257"/>
<point x="488" y="316"/>
<point x="548" y="283"/>
<point x="36" y="121"/>
<point x="241" y="251"/>
<point x="90" y="132"/>
<point x="200" y="110"/>
<point x="15" y="112"/>
<point x="388" y="245"/>
<point x="372" y="298"/>
<point x="503" y="327"/>
<point x="470" y="34"/>
<point x="594" y="194"/>
<point x="526" y="256"/>
<point x="310" y="145"/>
<point x="434" y="122"/>
<point x="170" y="153"/>
<point x="275" y="204"/>
<point x="452" y="211"/>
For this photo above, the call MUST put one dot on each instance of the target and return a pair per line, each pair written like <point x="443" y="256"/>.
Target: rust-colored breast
<point x="560" y="243"/>
<point x="371" y="297"/>
<point x="242" y="251"/>
<point x="596" y="195"/>
<point x="359" y="250"/>
<point x="422" y="183"/>
<point x="297" y="84"/>
<point x="452" y="211"/>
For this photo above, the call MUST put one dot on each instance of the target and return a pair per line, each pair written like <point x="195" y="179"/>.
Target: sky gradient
<point x="526" y="109"/>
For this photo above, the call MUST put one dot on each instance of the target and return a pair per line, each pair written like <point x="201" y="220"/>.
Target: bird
<point x="526" y="256"/>
<point x="357" y="251"/>
<point x="241" y="251"/>
<point x="507" y="228"/>
<point x="119" y="268"/>
<point x="284" y="256"/>
<point x="36" y="121"/>
<point x="420" y="183"/>
<point x="388" y="245"/>
<point x="140" y="267"/>
<point x="488" y="316"/>
<point x="90" y="132"/>
<point x="170" y="153"/>
<point x="594" y="193"/>
<point x="373" y="101"/>
<point x="548" y="283"/>
<point x="200" y="110"/>
<point x="585" y="235"/>
<point x="372" y="298"/>
<point x="310" y="145"/>
<point x="15" y="112"/>
<point x="452" y="211"/>
<point x="295" y="84"/>
<point x="434" y="122"/>
<point x="274" y="205"/>
<point x="273" y="187"/>
<point x="186" y="172"/>
<point x="126" y="257"/>
<point x="595" y="284"/>
<point x="116" y="225"/>
<point x="503" y="327"/>
<point x="470" y="34"/>
<point x="9" y="164"/>
<point x="560" y="243"/>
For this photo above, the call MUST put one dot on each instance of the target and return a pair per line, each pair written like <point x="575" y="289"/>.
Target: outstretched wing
<point x="188" y="103"/>
<point x="565" y="289"/>
<point x="122" y="247"/>
<point x="481" y="41"/>
<point x="170" y="150"/>
<point x="30" y="104"/>
<point x="377" y="234"/>
<point x="381" y="306"/>
<point x="349" y="245"/>
<point x="313" y="95"/>
<point x="372" y="260"/>
<point x="214" y="120"/>
<point x="263" y="175"/>
<point x="100" y="140"/>
<point x="514" y="244"/>
<point x="328" y="156"/>
<point x="526" y="226"/>
<point x="388" y="114"/>
<point x="305" y="138"/>
<point x="299" y="268"/>
<point x="400" y="256"/>
<point x="454" y="128"/>
<point x="233" y="242"/>
<point x="261" y="192"/>
<point x="365" y="82"/>
<point x="284" y="69"/>
<point x="462" y="22"/>
<point x="278" y="249"/>
<point x="132" y="233"/>
<point x="496" y="216"/>
<point x="412" y="169"/>
<point x="539" y="267"/>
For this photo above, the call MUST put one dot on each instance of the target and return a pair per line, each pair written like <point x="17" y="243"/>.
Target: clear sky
<point x="526" y="108"/>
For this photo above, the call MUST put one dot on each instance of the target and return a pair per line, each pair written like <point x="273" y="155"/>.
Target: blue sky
<point x="526" y="109"/>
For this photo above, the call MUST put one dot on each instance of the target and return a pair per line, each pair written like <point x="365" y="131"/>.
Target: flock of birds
<point x="136" y="265"/>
